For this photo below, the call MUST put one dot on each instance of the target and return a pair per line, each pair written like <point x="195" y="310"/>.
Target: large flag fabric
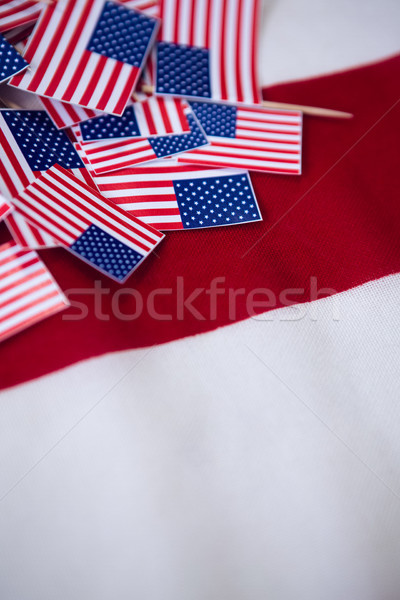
<point x="249" y="138"/>
<point x="208" y="49"/>
<point x="170" y="196"/>
<point x="111" y="155"/>
<point x="28" y="292"/>
<point x="87" y="224"/>
<point x="76" y="57"/>
<point x="324" y="224"/>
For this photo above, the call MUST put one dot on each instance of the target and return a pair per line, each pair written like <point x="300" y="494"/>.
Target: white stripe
<point x="260" y="115"/>
<point x="19" y="288"/>
<point x="168" y="23"/>
<point x="150" y="205"/>
<point x="82" y="83"/>
<point x="200" y="24"/>
<point x="215" y="43"/>
<point x="28" y="297"/>
<point x="248" y="162"/>
<point x="150" y="219"/>
<point x="184" y="20"/>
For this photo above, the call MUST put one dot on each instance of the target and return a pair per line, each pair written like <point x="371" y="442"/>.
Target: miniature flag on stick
<point x="248" y="138"/>
<point x="112" y="155"/>
<point x="88" y="52"/>
<point x="28" y="293"/>
<point x="171" y="196"/>
<point x="153" y="117"/>
<point x="87" y="224"/>
<point x="208" y="49"/>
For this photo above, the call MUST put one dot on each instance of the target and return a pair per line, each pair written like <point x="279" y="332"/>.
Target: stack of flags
<point x="121" y="120"/>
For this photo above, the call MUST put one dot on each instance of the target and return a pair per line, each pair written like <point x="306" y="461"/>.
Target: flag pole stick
<point x="307" y="110"/>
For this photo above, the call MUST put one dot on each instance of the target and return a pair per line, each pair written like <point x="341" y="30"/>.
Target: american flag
<point x="27" y="235"/>
<point x="249" y="138"/>
<point x="18" y="13"/>
<point x="107" y="156"/>
<point x="208" y="48"/>
<point x="29" y="145"/>
<point x="150" y="7"/>
<point x="77" y="57"/>
<point x="172" y="196"/>
<point x="86" y="223"/>
<point x="11" y="62"/>
<point x="154" y="116"/>
<point x="5" y="207"/>
<point x="28" y="293"/>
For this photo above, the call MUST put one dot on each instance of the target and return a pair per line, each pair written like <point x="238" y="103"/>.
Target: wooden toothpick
<point x="307" y="110"/>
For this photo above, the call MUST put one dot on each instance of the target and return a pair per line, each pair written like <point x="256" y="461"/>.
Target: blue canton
<point x="183" y="70"/>
<point x="122" y="34"/>
<point x="111" y="126"/>
<point x="216" y="119"/>
<point x="166" y="145"/>
<point x="106" y="253"/>
<point x="41" y="143"/>
<point x="213" y="201"/>
<point x="11" y="61"/>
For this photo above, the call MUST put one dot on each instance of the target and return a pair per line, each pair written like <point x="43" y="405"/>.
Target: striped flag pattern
<point x="207" y="49"/>
<point x="27" y="235"/>
<point x="66" y="115"/>
<point x="153" y="117"/>
<point x="16" y="13"/>
<point x="257" y="139"/>
<point x="76" y="57"/>
<point x="170" y="196"/>
<point x="86" y="223"/>
<point x="150" y="7"/>
<point x="28" y="293"/>
<point x="5" y="208"/>
<point x="107" y="156"/>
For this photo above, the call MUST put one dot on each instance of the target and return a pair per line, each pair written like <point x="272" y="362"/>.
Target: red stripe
<point x="117" y="155"/>
<point x="256" y="91"/>
<point x="51" y="111"/>
<point x="155" y="212"/>
<point x="192" y="21"/>
<point x="39" y="32"/>
<point x="208" y="24"/>
<point x="238" y="68"/>
<point x="169" y="226"/>
<point x="165" y="117"/>
<point x="222" y="50"/>
<point x="181" y="115"/>
<point x="34" y="288"/>
<point x="175" y="38"/>
<point x="149" y="118"/>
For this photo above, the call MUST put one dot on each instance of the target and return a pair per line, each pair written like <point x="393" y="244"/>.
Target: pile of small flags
<point x="124" y="119"/>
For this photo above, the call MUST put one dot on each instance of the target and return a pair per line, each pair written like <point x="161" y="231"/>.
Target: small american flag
<point x="11" y="62"/>
<point x="171" y="196"/>
<point x="207" y="49"/>
<point x="154" y="116"/>
<point x="5" y="208"/>
<point x="86" y="223"/>
<point x="108" y="156"/>
<point x="27" y="235"/>
<point x="77" y="56"/>
<point x="16" y="13"/>
<point x="28" y="293"/>
<point x="249" y="138"/>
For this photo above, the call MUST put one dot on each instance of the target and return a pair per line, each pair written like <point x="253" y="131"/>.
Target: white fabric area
<point x="259" y="461"/>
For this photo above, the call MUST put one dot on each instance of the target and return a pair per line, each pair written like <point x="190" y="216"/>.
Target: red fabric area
<point x="336" y="226"/>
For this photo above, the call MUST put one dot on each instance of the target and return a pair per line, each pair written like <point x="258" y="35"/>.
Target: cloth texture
<point x="338" y="224"/>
